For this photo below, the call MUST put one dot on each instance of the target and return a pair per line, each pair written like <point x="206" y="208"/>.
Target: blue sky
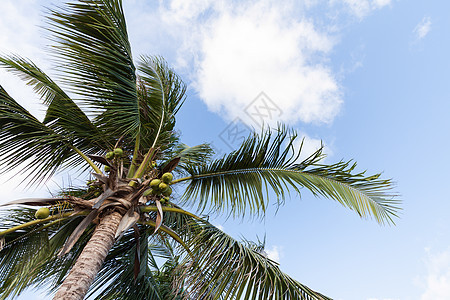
<point x="368" y="78"/>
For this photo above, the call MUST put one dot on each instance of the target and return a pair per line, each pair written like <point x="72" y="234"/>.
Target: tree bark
<point x="83" y="273"/>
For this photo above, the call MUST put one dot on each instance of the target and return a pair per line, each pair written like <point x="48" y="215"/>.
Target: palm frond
<point x="63" y="115"/>
<point x="94" y="52"/>
<point x="28" y="143"/>
<point x="116" y="281"/>
<point x="29" y="256"/>
<point x="240" y="182"/>
<point x="162" y="93"/>
<point x="200" y="154"/>
<point x="228" y="269"/>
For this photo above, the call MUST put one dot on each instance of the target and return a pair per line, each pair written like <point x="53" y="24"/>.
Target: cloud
<point x="362" y="8"/>
<point x="437" y="279"/>
<point x="310" y="145"/>
<point x="231" y="51"/>
<point x="422" y="29"/>
<point x="274" y="253"/>
<point x="20" y="34"/>
<point x="380" y="3"/>
<point x="244" y="49"/>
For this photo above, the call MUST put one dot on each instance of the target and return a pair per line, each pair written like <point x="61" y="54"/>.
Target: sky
<point x="368" y="78"/>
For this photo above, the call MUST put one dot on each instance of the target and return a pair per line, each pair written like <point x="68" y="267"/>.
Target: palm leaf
<point x="30" y="255"/>
<point x="63" y="115"/>
<point x="228" y="269"/>
<point x="200" y="154"/>
<point x="240" y="182"/>
<point x="116" y="280"/>
<point x="93" y="49"/>
<point x="28" y="143"/>
<point x="162" y="93"/>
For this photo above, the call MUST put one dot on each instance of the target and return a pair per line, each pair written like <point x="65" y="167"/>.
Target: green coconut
<point x="167" y="192"/>
<point x="163" y="186"/>
<point x="42" y="213"/>
<point x="109" y="155"/>
<point x="118" y="152"/>
<point x="167" y="177"/>
<point x="155" y="183"/>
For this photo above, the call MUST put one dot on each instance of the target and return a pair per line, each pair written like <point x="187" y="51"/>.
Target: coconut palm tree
<point x="123" y="235"/>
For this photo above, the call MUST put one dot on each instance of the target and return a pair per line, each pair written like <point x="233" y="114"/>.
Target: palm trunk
<point x="80" y="278"/>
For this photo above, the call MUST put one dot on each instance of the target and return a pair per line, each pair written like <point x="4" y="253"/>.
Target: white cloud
<point x="422" y="29"/>
<point x="362" y="8"/>
<point x="233" y="51"/>
<point x="437" y="279"/>
<point x="20" y="34"/>
<point x="380" y="3"/>
<point x="274" y="253"/>
<point x="252" y="47"/>
<point x="310" y="145"/>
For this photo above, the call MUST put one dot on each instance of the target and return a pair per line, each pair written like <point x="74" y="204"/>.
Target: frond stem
<point x="140" y="171"/>
<point x="87" y="159"/>
<point x="169" y="209"/>
<point x="172" y="234"/>
<point x="163" y="108"/>
<point x="57" y="217"/>
<point x="135" y="156"/>
<point x="256" y="170"/>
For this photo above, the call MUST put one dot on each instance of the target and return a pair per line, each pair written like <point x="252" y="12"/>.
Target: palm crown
<point x="117" y="105"/>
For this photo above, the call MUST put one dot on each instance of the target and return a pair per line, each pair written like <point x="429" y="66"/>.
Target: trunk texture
<point x="80" y="278"/>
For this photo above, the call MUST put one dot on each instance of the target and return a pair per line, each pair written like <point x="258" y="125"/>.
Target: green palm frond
<point x="200" y="154"/>
<point x="240" y="182"/>
<point x="92" y="47"/>
<point x="29" y="256"/>
<point x="228" y="269"/>
<point x="63" y="115"/>
<point x="28" y="143"/>
<point x="162" y="94"/>
<point x="116" y="279"/>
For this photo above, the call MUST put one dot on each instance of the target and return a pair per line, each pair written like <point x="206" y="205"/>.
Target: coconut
<point x="42" y="213"/>
<point x="109" y="155"/>
<point x="163" y="186"/>
<point x="167" y="192"/>
<point x="155" y="183"/>
<point x="118" y="152"/>
<point x="167" y="177"/>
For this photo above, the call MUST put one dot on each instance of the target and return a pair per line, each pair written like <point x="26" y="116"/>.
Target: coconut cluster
<point x="116" y="153"/>
<point x="161" y="187"/>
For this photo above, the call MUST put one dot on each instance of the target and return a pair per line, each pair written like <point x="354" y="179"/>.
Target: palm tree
<point x="122" y="235"/>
